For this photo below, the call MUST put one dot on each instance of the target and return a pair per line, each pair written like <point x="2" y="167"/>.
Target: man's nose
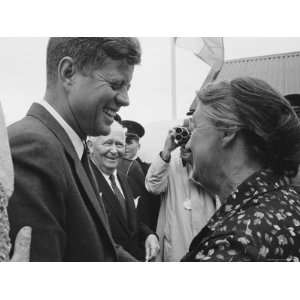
<point x="122" y="97"/>
<point x="113" y="149"/>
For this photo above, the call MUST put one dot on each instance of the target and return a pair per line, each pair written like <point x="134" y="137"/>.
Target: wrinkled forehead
<point x="117" y="133"/>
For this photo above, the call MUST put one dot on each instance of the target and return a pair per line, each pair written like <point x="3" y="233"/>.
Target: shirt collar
<point x="74" y="137"/>
<point x="106" y="176"/>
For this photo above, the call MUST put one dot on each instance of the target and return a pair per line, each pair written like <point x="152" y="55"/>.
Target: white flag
<point x="209" y="49"/>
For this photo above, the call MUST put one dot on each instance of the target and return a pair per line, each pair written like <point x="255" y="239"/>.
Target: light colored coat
<point x="185" y="207"/>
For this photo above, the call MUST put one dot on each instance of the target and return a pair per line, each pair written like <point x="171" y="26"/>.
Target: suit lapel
<point x="131" y="210"/>
<point x="144" y="166"/>
<point x="48" y="120"/>
<point x="96" y="203"/>
<point x="110" y="198"/>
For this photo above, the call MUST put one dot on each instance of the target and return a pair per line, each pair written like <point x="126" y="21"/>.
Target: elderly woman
<point x="246" y="148"/>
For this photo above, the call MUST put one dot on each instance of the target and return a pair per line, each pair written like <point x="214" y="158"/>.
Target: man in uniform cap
<point x="135" y="170"/>
<point x="135" y="131"/>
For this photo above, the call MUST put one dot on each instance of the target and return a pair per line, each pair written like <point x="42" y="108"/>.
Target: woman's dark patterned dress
<point x="259" y="222"/>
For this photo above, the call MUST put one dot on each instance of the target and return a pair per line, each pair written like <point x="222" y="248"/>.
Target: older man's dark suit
<point x="132" y="234"/>
<point x="149" y="204"/>
<point x="54" y="196"/>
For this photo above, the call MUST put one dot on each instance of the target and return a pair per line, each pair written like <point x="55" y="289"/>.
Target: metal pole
<point x="173" y="79"/>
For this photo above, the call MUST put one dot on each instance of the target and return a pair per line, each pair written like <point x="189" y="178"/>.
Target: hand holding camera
<point x="182" y="135"/>
<point x="177" y="136"/>
<point x="170" y="143"/>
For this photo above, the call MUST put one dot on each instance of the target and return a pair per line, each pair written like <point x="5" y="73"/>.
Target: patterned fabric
<point x="259" y="222"/>
<point x="6" y="188"/>
<point x="4" y="226"/>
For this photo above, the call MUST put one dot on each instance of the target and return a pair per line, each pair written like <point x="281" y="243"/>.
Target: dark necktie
<point x="119" y="195"/>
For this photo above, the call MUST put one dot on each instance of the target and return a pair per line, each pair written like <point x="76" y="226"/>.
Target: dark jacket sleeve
<point x="123" y="255"/>
<point x="38" y="198"/>
<point x="144" y="232"/>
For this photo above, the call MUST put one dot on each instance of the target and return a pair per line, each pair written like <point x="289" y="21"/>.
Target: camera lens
<point x="185" y="133"/>
<point x="178" y="137"/>
<point x="178" y="130"/>
<point x="182" y="135"/>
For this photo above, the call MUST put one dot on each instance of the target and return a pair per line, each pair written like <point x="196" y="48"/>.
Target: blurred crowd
<point x="224" y="186"/>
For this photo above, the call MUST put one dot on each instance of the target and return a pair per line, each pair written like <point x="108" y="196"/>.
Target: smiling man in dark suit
<point x="55" y="191"/>
<point x="127" y="230"/>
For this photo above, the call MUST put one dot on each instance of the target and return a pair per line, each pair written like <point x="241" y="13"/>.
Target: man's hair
<point x="262" y="115"/>
<point x="114" y="125"/>
<point x="89" y="53"/>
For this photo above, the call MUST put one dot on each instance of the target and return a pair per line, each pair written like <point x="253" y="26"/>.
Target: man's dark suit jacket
<point x="145" y="166"/>
<point x="149" y="204"/>
<point x="132" y="234"/>
<point x="54" y="196"/>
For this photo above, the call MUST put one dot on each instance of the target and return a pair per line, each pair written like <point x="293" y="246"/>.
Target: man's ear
<point x="228" y="137"/>
<point x="66" y="71"/>
<point x="89" y="143"/>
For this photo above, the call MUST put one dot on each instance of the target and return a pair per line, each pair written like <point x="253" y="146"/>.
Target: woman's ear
<point x="66" y="71"/>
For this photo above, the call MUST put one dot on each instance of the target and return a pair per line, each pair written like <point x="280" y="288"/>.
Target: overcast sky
<point x="22" y="74"/>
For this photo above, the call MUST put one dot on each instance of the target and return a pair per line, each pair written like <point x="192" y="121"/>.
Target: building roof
<point x="281" y="71"/>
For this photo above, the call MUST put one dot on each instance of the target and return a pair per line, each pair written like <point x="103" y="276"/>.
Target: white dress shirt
<point x="108" y="180"/>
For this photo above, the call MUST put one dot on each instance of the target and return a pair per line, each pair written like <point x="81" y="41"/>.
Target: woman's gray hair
<point x="266" y="120"/>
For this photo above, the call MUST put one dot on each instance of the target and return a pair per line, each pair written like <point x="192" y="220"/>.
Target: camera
<point x="182" y="135"/>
